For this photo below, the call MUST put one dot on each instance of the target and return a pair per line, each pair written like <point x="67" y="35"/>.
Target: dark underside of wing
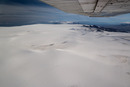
<point x="93" y="8"/>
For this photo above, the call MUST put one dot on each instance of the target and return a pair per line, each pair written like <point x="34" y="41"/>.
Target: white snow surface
<point x="63" y="55"/>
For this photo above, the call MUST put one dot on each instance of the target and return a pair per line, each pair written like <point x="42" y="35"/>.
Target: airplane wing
<point x="92" y="8"/>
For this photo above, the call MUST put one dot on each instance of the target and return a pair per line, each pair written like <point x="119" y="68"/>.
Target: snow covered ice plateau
<point x="63" y="55"/>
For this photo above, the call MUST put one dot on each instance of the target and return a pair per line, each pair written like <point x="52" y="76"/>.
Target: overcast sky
<point x="17" y="12"/>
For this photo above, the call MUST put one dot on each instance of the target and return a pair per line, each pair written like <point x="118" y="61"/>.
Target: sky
<point x="25" y="12"/>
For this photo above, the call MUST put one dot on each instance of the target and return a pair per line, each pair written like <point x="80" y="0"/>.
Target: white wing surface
<point x="94" y="8"/>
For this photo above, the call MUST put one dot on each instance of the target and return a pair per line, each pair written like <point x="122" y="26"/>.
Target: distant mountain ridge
<point x="111" y="28"/>
<point x="123" y="27"/>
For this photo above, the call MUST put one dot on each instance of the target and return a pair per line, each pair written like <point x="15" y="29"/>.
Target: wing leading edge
<point x="93" y="8"/>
